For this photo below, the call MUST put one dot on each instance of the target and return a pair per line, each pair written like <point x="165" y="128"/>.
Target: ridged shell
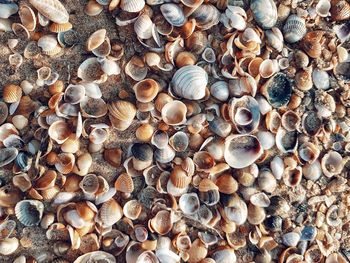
<point x="124" y="183"/>
<point x="132" y="6"/>
<point x="173" y="14"/>
<point x="27" y="17"/>
<point x="52" y="9"/>
<point x="206" y="16"/>
<point x="57" y="28"/>
<point x="111" y="212"/>
<point x="12" y="93"/>
<point x="29" y="212"/>
<point x="294" y="29"/>
<point x="264" y="12"/>
<point x="121" y="114"/>
<point x="143" y="27"/>
<point x="98" y="256"/>
<point x="190" y="82"/>
<point x="340" y="10"/>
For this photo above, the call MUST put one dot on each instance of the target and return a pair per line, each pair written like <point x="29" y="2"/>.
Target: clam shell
<point x="47" y="43"/>
<point x="27" y="16"/>
<point x="294" y="29"/>
<point x="292" y="177"/>
<point x="206" y="16"/>
<point x="162" y="222"/>
<point x="160" y="139"/>
<point x="323" y="7"/>
<point x="132" y="6"/>
<point x="12" y="93"/>
<point x="8" y="9"/>
<point x="190" y="82"/>
<point x="286" y="141"/>
<point x="82" y="164"/>
<point x="220" y="90"/>
<point x="220" y="127"/>
<point x="7" y="156"/>
<point x="340" y="10"/>
<point x="179" y="141"/>
<point x="312" y="171"/>
<point x="242" y="150"/>
<point x="4" y="112"/>
<point x="136" y="69"/>
<point x="124" y="183"/>
<point x="174" y="113"/>
<point x="96" y="39"/>
<point x="189" y="203"/>
<point x="264" y="12"/>
<point x="237" y="212"/>
<point x="57" y="28"/>
<point x="320" y="79"/>
<point x="278" y="90"/>
<point x="6" y="228"/>
<point x="146" y="90"/>
<point x="59" y="131"/>
<point x="5" y="25"/>
<point x="52" y="9"/>
<point x="121" y="114"/>
<point x="93" y="108"/>
<point x="97" y="256"/>
<point x="173" y="14"/>
<point x="47" y="180"/>
<point x="132" y="209"/>
<point x="143" y="27"/>
<point x="332" y="163"/>
<point x="110" y="212"/>
<point x="165" y="154"/>
<point x="65" y="163"/>
<point x="8" y="246"/>
<point x="90" y="70"/>
<point x="93" y="8"/>
<point x="22" y="181"/>
<point x="29" y="212"/>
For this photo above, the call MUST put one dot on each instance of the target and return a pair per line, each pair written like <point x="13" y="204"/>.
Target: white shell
<point x="47" y="43"/>
<point x="237" y="213"/>
<point x="323" y="7"/>
<point x="132" y="6"/>
<point x="143" y="27"/>
<point x="320" y="79"/>
<point x="219" y="90"/>
<point x="174" y="113"/>
<point x="110" y="67"/>
<point x="267" y="139"/>
<point x="5" y="25"/>
<point x="294" y="29"/>
<point x="312" y="171"/>
<point x="51" y="9"/>
<point x="8" y="246"/>
<point x="277" y="167"/>
<point x="173" y="14"/>
<point x="98" y="256"/>
<point x="190" y="82"/>
<point x="7" y="10"/>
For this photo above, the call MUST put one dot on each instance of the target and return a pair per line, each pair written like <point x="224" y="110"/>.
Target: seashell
<point x="264" y="12"/>
<point x="260" y="200"/>
<point x="144" y="132"/>
<point x="29" y="212"/>
<point x="189" y="203"/>
<point x="8" y="246"/>
<point x="68" y="38"/>
<point x="209" y="55"/>
<point x="82" y="164"/>
<point x="208" y="192"/>
<point x="206" y="16"/>
<point x="8" y="9"/>
<point x="4" y="112"/>
<point x="6" y="229"/>
<point x="74" y="219"/>
<point x="147" y="256"/>
<point x="277" y="90"/>
<point x="96" y="255"/>
<point x="312" y="171"/>
<point x="308" y="152"/>
<point x="223" y="254"/>
<point x="242" y="150"/>
<point x="185" y="58"/>
<point x="320" y="79"/>
<point x="290" y="121"/>
<point x="90" y="70"/>
<point x="142" y="156"/>
<point x="291" y="239"/>
<point x="335" y="258"/>
<point x="93" y="8"/>
<point x="93" y="108"/>
<point x="190" y="82"/>
<point x="311" y="123"/>
<point x="179" y="178"/>
<point x="340" y="10"/>
<point x="12" y="93"/>
<point x="143" y="27"/>
<point x="275" y="38"/>
<point x="8" y="155"/>
<point x="110" y="212"/>
<point x="65" y="163"/>
<point x="220" y="127"/>
<point x="301" y="60"/>
<point x="136" y="69"/>
<point x="286" y="141"/>
<point x="237" y="211"/>
<point x="74" y="94"/>
<point x="179" y="141"/>
<point x="113" y="156"/>
<point x="90" y="184"/>
<point x="160" y="139"/>
<point x="47" y="180"/>
<point x="9" y="196"/>
<point x="220" y="90"/>
<point x="51" y="9"/>
<point x="197" y="42"/>
<point x="59" y="131"/>
<point x="267" y="68"/>
<point x="324" y="103"/>
<point x="22" y="181"/>
<point x="132" y="209"/>
<point x="292" y="176"/>
<point x="16" y="60"/>
<point x="161" y="223"/>
<point x="5" y="25"/>
<point x="227" y="184"/>
<point x="27" y="16"/>
<point x="146" y="90"/>
<point x="267" y="139"/>
<point x="132" y="6"/>
<point x="57" y="28"/>
<point x="71" y="145"/>
<point x="96" y="39"/>
<point x="273" y="223"/>
<point x="303" y="80"/>
<point x="323" y="7"/>
<point x="197" y="251"/>
<point x="49" y="45"/>
<point x="47" y="220"/>
<point x="23" y="162"/>
<point x="124" y="183"/>
<point x="256" y="214"/>
<point x="332" y="163"/>
<point x="173" y="14"/>
<point x="174" y="113"/>
<point x="294" y="29"/>
<point x="244" y="114"/>
<point x="203" y="160"/>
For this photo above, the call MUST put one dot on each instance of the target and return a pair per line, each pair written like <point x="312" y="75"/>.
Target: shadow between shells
<point x="207" y="131"/>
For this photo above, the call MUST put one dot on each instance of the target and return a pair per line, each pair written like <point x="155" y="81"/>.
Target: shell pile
<point x="146" y="131"/>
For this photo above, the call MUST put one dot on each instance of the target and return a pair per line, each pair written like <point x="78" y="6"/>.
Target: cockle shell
<point x="174" y="113"/>
<point x="340" y="10"/>
<point x="29" y="212"/>
<point x="206" y="16"/>
<point x="132" y="6"/>
<point x="264" y="12"/>
<point x="59" y="131"/>
<point x="65" y="163"/>
<point x="12" y="93"/>
<point x="96" y="256"/>
<point x="6" y="228"/>
<point x="49" y="45"/>
<point x="52" y="9"/>
<point x="121" y="114"/>
<point x="143" y="27"/>
<point x="323" y="7"/>
<point x="286" y="141"/>
<point x="190" y="82"/>
<point x="275" y="38"/>
<point x="132" y="209"/>
<point x="90" y="70"/>
<point x="312" y="171"/>
<point x="242" y="150"/>
<point x="235" y="17"/>
<point x="162" y="222"/>
<point x="320" y="79"/>
<point x="110" y="212"/>
<point x="96" y="39"/>
<point x="294" y="29"/>
<point x="146" y="90"/>
<point x="173" y="14"/>
<point x="220" y="90"/>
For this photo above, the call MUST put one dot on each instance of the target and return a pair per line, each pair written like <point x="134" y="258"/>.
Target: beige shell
<point x="52" y="9"/>
<point x="111" y="212"/>
<point x="22" y="181"/>
<point x="124" y="183"/>
<point x="82" y="164"/>
<point x="146" y="90"/>
<point x="27" y="16"/>
<point x="174" y="113"/>
<point x="121" y="114"/>
<point x="47" y="180"/>
<point x="162" y="222"/>
<point x="65" y="163"/>
<point x="332" y="163"/>
<point x="8" y="246"/>
<point x="132" y="209"/>
<point x="59" y="131"/>
<point x="12" y="93"/>
<point x="93" y="8"/>
<point x="96" y="39"/>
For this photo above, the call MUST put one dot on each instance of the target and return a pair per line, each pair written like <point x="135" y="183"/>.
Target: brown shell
<point x="340" y="10"/>
<point x="124" y="183"/>
<point x="113" y="156"/>
<point x="56" y="28"/>
<point x="12" y="93"/>
<point x="227" y="184"/>
<point x="206" y="185"/>
<point x="179" y="177"/>
<point x="46" y="181"/>
<point x="85" y="211"/>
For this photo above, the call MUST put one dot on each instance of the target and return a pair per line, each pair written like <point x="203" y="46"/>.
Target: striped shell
<point x="173" y="14"/>
<point x="132" y="6"/>
<point x="124" y="183"/>
<point x="121" y="114"/>
<point x="12" y="93"/>
<point x="29" y="212"/>
<point x="190" y="82"/>
<point x="143" y="27"/>
<point x="52" y="9"/>
<point x="294" y="29"/>
<point x="206" y="16"/>
<point x="111" y="212"/>
<point x="264" y="12"/>
<point x="340" y="10"/>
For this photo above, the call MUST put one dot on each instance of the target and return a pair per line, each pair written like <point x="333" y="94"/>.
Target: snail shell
<point x="190" y="82"/>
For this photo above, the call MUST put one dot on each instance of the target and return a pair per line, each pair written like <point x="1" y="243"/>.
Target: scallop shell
<point x="12" y="93"/>
<point x="27" y="16"/>
<point x="190" y="82"/>
<point x="29" y="212"/>
<point x="132" y="6"/>
<point x="294" y="29"/>
<point x="146" y="90"/>
<point x="110" y="212"/>
<point x="174" y="113"/>
<point x="52" y="9"/>
<point x="264" y="12"/>
<point x="242" y="150"/>
<point x="173" y="14"/>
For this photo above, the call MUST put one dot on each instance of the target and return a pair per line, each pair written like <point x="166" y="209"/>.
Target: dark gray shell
<point x="7" y="155"/>
<point x="264" y="12"/>
<point x="279" y="90"/>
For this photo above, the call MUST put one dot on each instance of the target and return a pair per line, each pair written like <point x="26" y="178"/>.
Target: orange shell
<point x="12" y="93"/>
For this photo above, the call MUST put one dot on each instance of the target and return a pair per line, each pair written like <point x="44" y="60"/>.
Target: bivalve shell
<point x="173" y="14"/>
<point x="29" y="212"/>
<point x="132" y="6"/>
<point x="294" y="29"/>
<point x="264" y="12"/>
<point x="51" y="9"/>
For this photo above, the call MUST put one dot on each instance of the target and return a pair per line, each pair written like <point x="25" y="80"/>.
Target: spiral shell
<point x="190" y="82"/>
<point x="294" y="29"/>
<point x="51" y="9"/>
